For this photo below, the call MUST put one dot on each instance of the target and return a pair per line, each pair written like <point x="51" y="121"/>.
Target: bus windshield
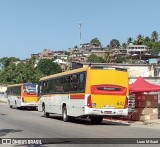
<point x="31" y="88"/>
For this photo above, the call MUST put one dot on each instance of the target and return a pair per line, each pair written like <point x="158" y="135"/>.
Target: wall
<point x="3" y="88"/>
<point x="3" y="95"/>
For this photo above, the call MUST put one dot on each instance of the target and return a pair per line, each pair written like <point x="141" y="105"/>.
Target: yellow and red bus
<point x="94" y="92"/>
<point x="23" y="95"/>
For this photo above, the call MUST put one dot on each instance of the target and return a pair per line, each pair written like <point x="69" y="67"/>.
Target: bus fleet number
<point x="120" y="103"/>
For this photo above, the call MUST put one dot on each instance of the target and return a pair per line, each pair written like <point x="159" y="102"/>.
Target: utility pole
<point x="80" y="33"/>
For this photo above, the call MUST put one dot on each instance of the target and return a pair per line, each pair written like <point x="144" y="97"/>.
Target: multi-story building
<point x="118" y="51"/>
<point x="45" y="54"/>
<point x="48" y="54"/>
<point x="136" y="49"/>
<point x="88" y="46"/>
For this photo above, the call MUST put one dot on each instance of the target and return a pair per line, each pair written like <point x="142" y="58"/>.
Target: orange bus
<point x="94" y="92"/>
<point x="22" y="95"/>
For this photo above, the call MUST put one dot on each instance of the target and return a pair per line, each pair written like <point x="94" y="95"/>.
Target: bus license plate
<point x="108" y="112"/>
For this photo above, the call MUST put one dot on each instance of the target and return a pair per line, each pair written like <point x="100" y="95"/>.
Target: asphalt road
<point x="31" y="124"/>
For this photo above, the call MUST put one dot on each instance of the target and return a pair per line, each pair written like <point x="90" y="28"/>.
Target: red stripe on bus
<point x="77" y="96"/>
<point x="108" y="89"/>
<point x="30" y="94"/>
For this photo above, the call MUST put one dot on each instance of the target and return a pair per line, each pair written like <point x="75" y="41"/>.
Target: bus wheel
<point x="96" y="119"/>
<point x="36" y="108"/>
<point x="66" y="118"/>
<point x="45" y="114"/>
<point x="10" y="106"/>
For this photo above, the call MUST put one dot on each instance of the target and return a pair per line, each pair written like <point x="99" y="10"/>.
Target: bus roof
<point x="64" y="73"/>
<point x="14" y="85"/>
<point x="81" y="70"/>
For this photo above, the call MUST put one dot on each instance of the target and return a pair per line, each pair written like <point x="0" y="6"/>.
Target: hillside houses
<point x="48" y="54"/>
<point x="137" y="54"/>
<point x="81" y="54"/>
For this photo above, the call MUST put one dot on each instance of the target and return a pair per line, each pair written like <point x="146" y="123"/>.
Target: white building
<point x="3" y="88"/>
<point x="136" y="49"/>
<point x="135" y="70"/>
<point x="59" y="61"/>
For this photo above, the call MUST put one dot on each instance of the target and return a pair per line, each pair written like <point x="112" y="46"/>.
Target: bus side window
<point x="70" y="79"/>
<point x="74" y="78"/>
<point x="45" y="86"/>
<point x="82" y="77"/>
<point x="82" y="82"/>
<point x="66" y="84"/>
<point x="49" y="87"/>
<point x="52" y="85"/>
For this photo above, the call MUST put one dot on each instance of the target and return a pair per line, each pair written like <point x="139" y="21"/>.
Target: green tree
<point x="95" y="59"/>
<point x="67" y="53"/>
<point x="124" y="45"/>
<point x="5" y="61"/>
<point x="140" y="39"/>
<point x="148" y="43"/>
<point x="129" y="40"/>
<point x="76" y="47"/>
<point x="120" y="59"/>
<point x="147" y="40"/>
<point x="19" y="75"/>
<point x="21" y="72"/>
<point x="29" y="71"/>
<point x="48" y="67"/>
<point x="95" y="42"/>
<point x="154" y="36"/>
<point x="114" y="43"/>
<point x="8" y="74"/>
<point x="107" y="57"/>
<point x="155" y="47"/>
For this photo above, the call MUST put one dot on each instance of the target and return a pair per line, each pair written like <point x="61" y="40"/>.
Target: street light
<point x="80" y="34"/>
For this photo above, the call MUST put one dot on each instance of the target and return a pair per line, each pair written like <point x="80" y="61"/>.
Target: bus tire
<point x="66" y="118"/>
<point x="10" y="106"/>
<point x="97" y="119"/>
<point x="45" y="114"/>
<point x="36" y="108"/>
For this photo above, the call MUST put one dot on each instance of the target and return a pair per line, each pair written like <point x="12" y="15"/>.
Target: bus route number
<point x="120" y="103"/>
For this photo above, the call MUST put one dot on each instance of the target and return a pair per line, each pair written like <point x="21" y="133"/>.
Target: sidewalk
<point x="152" y="124"/>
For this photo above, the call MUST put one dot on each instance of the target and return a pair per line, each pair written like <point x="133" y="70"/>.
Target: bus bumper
<point x="106" y="112"/>
<point x="29" y="105"/>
